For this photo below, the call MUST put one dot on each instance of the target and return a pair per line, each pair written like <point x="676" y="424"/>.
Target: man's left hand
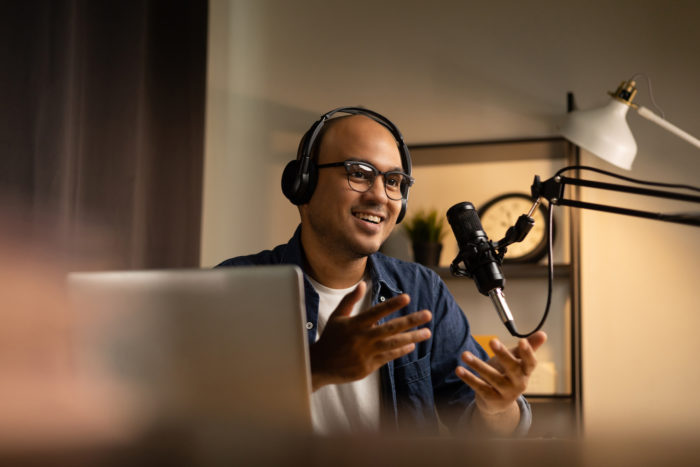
<point x="503" y="378"/>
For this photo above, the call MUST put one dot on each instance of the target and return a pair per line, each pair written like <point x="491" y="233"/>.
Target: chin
<point x="364" y="250"/>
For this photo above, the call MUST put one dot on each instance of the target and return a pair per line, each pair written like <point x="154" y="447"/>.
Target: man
<point x="386" y="336"/>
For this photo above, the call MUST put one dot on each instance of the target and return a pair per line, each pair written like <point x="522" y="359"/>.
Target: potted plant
<point x="426" y="231"/>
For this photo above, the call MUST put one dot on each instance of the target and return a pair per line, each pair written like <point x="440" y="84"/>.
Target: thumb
<point x="348" y="302"/>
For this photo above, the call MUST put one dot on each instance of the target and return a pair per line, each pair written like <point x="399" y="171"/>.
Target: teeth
<point x="369" y="218"/>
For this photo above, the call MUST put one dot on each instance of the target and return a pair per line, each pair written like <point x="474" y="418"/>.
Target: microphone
<point x="477" y="254"/>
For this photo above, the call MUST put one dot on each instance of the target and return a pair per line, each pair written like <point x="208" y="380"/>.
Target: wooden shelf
<point x="552" y="416"/>
<point x="488" y="151"/>
<point x="548" y="398"/>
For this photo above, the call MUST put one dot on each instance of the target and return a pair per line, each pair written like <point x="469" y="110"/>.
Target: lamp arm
<point x="675" y="218"/>
<point x="553" y="190"/>
<point x="628" y="189"/>
<point x="665" y="124"/>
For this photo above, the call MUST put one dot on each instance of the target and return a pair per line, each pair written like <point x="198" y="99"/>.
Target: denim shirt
<point x="415" y="385"/>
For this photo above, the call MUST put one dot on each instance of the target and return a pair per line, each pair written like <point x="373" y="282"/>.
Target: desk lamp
<point x="605" y="133"/>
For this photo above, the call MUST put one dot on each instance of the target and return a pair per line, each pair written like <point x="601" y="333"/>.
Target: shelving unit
<point x="556" y="414"/>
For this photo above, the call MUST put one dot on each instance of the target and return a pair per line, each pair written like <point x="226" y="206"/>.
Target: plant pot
<point x="427" y="254"/>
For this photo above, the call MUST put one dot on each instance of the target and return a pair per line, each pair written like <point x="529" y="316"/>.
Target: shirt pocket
<point x="413" y="371"/>
<point x="414" y="396"/>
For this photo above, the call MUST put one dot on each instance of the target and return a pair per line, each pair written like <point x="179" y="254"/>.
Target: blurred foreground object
<point x="43" y="404"/>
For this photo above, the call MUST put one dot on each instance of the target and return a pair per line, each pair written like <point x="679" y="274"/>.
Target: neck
<point x="331" y="268"/>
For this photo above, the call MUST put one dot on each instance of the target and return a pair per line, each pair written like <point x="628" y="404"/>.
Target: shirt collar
<point x="380" y="274"/>
<point x="377" y="263"/>
<point x="294" y="254"/>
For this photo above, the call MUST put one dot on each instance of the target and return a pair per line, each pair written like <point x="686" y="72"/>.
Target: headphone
<point x="300" y="176"/>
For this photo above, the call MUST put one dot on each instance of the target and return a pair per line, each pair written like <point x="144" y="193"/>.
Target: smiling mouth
<point x="371" y="218"/>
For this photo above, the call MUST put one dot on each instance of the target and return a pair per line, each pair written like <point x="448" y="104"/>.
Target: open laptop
<point x="223" y="347"/>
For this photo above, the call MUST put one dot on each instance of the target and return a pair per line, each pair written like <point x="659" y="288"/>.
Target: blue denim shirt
<point x="415" y="385"/>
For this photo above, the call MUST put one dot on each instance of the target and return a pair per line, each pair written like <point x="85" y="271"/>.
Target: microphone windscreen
<point x="465" y="222"/>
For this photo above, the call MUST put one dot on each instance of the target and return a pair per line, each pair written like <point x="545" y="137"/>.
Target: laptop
<point x="198" y="348"/>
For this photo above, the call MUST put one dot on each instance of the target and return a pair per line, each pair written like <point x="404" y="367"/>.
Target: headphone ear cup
<point x="298" y="187"/>
<point x="289" y="181"/>
<point x="309" y="183"/>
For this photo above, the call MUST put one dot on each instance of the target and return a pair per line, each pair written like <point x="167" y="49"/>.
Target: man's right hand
<point x="352" y="347"/>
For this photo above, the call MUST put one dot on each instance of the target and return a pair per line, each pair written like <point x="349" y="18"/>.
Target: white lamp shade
<point x="603" y="132"/>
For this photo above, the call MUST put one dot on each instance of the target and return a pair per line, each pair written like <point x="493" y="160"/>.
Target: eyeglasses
<point x="361" y="176"/>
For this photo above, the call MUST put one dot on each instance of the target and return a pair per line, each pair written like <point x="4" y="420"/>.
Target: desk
<point x="367" y="451"/>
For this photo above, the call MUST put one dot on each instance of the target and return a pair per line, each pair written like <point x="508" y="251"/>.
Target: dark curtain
<point x="102" y="130"/>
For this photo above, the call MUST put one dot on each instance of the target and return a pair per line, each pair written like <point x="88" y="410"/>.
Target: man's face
<point x="338" y="219"/>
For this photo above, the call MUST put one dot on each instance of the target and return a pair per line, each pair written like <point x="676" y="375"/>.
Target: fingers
<point x="527" y="356"/>
<point x="384" y="357"/>
<point x="507" y="360"/>
<point x="521" y="357"/>
<point x="401" y="324"/>
<point x="488" y="399"/>
<point x="377" y="312"/>
<point x="402" y="339"/>
<point x="537" y="339"/>
<point x="487" y="372"/>
<point x="525" y="351"/>
<point x="508" y="368"/>
<point x="505" y="376"/>
<point x="480" y="386"/>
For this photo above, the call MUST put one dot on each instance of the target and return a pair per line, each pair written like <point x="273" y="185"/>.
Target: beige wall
<point x="446" y="71"/>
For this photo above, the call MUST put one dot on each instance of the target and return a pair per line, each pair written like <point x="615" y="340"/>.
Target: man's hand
<point x="351" y="348"/>
<point x="502" y="379"/>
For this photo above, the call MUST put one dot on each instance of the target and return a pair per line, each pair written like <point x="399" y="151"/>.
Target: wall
<point x="451" y="71"/>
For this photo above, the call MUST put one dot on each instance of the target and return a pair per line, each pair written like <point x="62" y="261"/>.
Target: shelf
<point x="488" y="151"/>
<point x="548" y="398"/>
<point x="520" y="271"/>
<point x="552" y="417"/>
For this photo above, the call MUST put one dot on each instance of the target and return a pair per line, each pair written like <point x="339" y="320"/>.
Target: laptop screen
<point x="198" y="347"/>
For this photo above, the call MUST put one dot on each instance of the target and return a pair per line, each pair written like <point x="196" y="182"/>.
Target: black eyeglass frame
<point x="348" y="163"/>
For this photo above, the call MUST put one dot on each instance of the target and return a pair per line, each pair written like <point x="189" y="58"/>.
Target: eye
<point x="360" y="172"/>
<point x="393" y="180"/>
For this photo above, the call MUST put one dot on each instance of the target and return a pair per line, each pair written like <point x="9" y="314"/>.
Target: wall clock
<point x="502" y="212"/>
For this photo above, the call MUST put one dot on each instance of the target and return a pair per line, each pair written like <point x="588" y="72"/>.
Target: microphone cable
<point x="550" y="212"/>
<point x="550" y="278"/>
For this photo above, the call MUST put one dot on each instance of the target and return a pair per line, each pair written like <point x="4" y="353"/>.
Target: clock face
<point x="501" y="213"/>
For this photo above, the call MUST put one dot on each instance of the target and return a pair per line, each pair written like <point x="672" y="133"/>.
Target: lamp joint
<point x="625" y="93"/>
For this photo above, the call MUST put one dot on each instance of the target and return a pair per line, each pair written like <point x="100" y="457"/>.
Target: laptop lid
<point x="187" y="347"/>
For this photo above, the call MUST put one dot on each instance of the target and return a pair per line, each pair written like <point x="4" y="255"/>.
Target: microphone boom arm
<point x="553" y="190"/>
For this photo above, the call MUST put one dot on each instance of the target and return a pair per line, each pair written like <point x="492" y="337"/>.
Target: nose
<point x="377" y="191"/>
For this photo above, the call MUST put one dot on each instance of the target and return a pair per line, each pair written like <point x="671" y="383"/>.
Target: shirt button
<point x="381" y="299"/>
<point x="309" y="325"/>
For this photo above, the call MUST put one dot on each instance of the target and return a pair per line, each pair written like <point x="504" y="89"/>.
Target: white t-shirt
<point x="349" y="407"/>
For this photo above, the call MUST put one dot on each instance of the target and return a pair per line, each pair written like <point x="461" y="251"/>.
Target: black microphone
<point x="479" y="258"/>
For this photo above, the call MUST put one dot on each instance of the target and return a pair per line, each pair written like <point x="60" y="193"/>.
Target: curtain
<point x="102" y="130"/>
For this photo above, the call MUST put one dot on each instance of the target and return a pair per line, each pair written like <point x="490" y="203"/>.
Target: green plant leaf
<point x="425" y="227"/>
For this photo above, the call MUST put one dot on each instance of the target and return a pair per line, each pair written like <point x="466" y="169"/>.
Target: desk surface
<point x="227" y="449"/>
